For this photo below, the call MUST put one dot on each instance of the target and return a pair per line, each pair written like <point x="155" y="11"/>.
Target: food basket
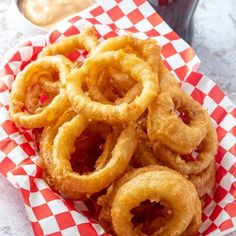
<point x="48" y="212"/>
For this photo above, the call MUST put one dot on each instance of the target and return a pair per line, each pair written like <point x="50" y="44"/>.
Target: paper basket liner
<point x="48" y="212"/>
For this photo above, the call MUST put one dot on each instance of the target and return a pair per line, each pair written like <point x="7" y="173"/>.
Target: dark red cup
<point x="178" y="14"/>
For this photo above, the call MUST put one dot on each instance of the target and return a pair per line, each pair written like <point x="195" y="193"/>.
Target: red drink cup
<point x="178" y="14"/>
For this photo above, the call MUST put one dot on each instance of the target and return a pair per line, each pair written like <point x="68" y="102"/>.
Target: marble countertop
<point x="215" y="44"/>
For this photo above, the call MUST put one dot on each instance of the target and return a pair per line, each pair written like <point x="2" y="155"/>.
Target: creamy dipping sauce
<point x="46" y="13"/>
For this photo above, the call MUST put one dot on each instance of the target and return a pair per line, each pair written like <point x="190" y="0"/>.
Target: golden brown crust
<point x="165" y="126"/>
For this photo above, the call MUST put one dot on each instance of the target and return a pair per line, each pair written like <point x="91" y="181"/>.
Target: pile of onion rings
<point x="118" y="132"/>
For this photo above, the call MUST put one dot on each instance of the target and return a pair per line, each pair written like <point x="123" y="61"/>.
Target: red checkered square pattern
<point x="47" y="211"/>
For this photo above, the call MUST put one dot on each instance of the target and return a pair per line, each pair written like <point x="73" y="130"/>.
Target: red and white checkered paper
<point x="48" y="212"/>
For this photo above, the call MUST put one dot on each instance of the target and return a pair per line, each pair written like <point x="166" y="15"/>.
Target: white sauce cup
<point x="26" y="27"/>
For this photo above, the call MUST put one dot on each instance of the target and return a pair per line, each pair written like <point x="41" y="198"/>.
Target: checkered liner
<point x="49" y="213"/>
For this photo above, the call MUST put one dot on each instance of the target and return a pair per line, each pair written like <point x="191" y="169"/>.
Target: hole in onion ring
<point x="44" y="88"/>
<point x="37" y="98"/>
<point x="88" y="147"/>
<point x="43" y="98"/>
<point x="150" y="216"/>
<point x="183" y="115"/>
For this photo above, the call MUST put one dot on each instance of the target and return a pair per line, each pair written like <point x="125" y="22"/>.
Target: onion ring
<point x="148" y="50"/>
<point x="129" y="64"/>
<point x="46" y="149"/>
<point x="164" y="126"/>
<point x="207" y="150"/>
<point x="26" y="79"/>
<point x="69" y="181"/>
<point x="85" y="40"/>
<point x="150" y="186"/>
<point x="114" y="210"/>
<point x="106" y="200"/>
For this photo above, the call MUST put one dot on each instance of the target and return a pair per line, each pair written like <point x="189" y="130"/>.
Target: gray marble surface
<point x="215" y="44"/>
